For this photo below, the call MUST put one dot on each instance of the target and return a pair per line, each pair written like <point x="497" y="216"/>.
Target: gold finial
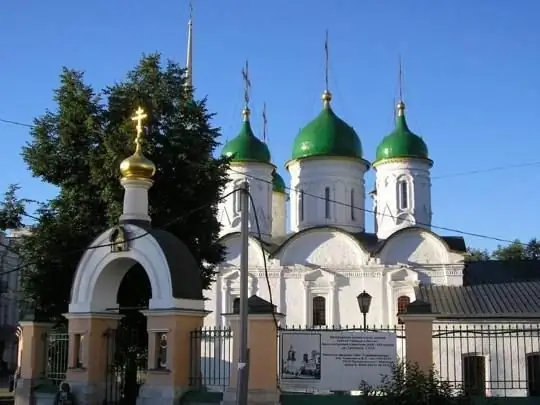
<point x="137" y="166"/>
<point x="327" y="96"/>
<point x="247" y="88"/>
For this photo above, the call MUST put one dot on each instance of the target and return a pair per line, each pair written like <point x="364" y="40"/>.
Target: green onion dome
<point x="401" y="142"/>
<point x="278" y="184"/>
<point x="327" y="135"/>
<point x="246" y="147"/>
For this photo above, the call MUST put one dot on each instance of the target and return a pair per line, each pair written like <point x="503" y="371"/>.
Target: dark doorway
<point x="127" y="346"/>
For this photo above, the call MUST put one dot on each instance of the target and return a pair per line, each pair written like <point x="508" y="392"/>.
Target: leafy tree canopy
<point x="516" y="250"/>
<point x="78" y="148"/>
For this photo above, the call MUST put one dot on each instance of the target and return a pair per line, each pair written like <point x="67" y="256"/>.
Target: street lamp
<point x="364" y="302"/>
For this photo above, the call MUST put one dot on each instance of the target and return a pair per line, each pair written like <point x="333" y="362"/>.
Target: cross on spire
<point x="247" y="84"/>
<point x="265" y="123"/>
<point x="139" y="117"/>
<point x="326" y="61"/>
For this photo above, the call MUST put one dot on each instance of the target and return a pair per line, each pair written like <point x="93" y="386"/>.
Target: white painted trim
<point x="79" y="332"/>
<point x="418" y="317"/>
<point x="92" y="315"/>
<point x="31" y="323"/>
<point x="158" y="330"/>
<point x="174" y="312"/>
<point x="255" y="317"/>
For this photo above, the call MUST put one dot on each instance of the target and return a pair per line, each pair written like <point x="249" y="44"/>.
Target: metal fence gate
<point x="127" y="354"/>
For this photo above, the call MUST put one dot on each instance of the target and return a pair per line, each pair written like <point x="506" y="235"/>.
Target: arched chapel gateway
<point x="95" y="372"/>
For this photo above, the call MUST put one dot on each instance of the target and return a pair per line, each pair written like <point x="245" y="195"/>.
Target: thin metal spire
<point x="189" y="58"/>
<point x="326" y="62"/>
<point x="265" y="124"/>
<point x="401" y="104"/>
<point x="400" y="80"/>
<point x="327" y="96"/>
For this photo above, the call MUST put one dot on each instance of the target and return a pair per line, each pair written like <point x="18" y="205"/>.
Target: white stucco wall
<point x="341" y="176"/>
<point x="504" y="345"/>
<point x="332" y="264"/>
<point x="259" y="178"/>
<point x="392" y="215"/>
<point x="329" y="263"/>
<point x="279" y="214"/>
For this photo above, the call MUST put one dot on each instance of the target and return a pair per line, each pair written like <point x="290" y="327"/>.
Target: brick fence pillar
<point x="418" y="320"/>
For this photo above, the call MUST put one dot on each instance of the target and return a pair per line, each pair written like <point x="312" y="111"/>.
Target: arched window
<point x="327" y="202"/>
<point x="319" y="311"/>
<point x="403" y="189"/>
<point x="402" y="303"/>
<point x="237" y="200"/>
<point x="301" y="205"/>
<point x="236" y="306"/>
<point x="353" y="218"/>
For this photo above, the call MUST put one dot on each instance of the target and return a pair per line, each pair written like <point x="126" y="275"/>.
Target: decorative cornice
<point x="402" y="160"/>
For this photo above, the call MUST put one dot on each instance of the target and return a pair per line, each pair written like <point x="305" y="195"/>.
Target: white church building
<point x="315" y="272"/>
<point x="486" y="335"/>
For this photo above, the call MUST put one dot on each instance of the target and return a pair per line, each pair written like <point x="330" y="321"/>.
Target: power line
<point x="443" y="176"/>
<point x="91" y="247"/>
<point x="443" y="228"/>
<point x="20" y="124"/>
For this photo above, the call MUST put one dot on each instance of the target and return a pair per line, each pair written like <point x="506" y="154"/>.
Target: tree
<point x="78" y="148"/>
<point x="518" y="251"/>
<point x="474" y="255"/>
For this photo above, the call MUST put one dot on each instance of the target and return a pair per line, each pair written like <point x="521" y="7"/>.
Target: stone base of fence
<point x="255" y="397"/>
<point x="159" y="395"/>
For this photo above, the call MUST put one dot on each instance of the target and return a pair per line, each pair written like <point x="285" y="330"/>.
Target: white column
<point x="135" y="199"/>
<point x="333" y="298"/>
<point x="307" y="303"/>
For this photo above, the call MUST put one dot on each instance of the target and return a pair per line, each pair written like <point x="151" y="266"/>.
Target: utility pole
<point x="243" y="360"/>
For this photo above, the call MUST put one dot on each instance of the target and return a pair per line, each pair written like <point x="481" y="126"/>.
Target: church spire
<point x="189" y="58"/>
<point x="247" y="88"/>
<point x="401" y="104"/>
<point x="327" y="96"/>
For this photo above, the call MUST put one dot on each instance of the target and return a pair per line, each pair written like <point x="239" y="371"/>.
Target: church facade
<point x="314" y="272"/>
<point x="486" y="333"/>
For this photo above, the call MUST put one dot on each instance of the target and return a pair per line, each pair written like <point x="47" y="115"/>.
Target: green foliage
<point x="474" y="255"/>
<point x="409" y="385"/>
<point x="516" y="250"/>
<point x="78" y="148"/>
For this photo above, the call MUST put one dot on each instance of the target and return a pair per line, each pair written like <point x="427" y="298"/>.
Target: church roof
<point x="504" y="300"/>
<point x="185" y="272"/>
<point x="368" y="240"/>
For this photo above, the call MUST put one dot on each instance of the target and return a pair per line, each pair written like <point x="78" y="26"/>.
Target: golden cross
<point x="139" y="116"/>
<point x="247" y="83"/>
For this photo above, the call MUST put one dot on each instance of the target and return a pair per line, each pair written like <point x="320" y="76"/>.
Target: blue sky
<point x="471" y="84"/>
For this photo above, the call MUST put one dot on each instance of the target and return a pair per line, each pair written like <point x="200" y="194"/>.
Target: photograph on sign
<point x="300" y="356"/>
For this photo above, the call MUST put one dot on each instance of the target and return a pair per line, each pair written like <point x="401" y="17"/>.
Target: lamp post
<point x="364" y="302"/>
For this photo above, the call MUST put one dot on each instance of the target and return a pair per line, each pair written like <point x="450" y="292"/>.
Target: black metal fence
<point x="489" y="359"/>
<point x="306" y="342"/>
<point x="56" y="355"/>
<point x="211" y="358"/>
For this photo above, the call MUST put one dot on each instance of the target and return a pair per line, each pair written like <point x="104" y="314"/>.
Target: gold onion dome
<point x="137" y="166"/>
